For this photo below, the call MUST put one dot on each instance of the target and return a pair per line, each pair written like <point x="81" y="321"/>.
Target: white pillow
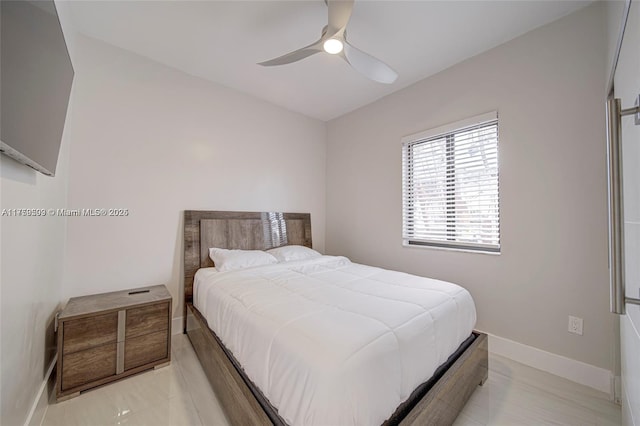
<point x="230" y="260"/>
<point x="289" y="253"/>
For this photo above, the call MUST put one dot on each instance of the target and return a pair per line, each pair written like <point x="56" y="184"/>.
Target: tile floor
<point x="514" y="395"/>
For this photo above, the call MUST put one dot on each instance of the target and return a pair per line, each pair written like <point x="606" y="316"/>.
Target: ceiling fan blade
<point x="367" y="65"/>
<point x="294" y="56"/>
<point x="339" y="14"/>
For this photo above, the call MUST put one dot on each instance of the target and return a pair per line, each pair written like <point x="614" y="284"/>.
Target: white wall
<point x="156" y="141"/>
<point x="31" y="278"/>
<point x="548" y="88"/>
<point x="627" y="88"/>
<point x="32" y="259"/>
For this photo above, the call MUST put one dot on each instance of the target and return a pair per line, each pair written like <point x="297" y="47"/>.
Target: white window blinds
<point x="450" y="194"/>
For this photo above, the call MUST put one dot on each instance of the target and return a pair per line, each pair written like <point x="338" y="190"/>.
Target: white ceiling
<point x="222" y="41"/>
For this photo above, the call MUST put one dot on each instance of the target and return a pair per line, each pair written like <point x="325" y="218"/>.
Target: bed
<point x="319" y="294"/>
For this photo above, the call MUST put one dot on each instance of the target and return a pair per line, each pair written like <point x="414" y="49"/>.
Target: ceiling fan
<point x="334" y="41"/>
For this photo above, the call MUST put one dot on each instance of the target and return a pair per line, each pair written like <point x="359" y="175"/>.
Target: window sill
<point x="464" y="250"/>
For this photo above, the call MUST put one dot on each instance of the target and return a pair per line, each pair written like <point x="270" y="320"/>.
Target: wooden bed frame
<point x="436" y="402"/>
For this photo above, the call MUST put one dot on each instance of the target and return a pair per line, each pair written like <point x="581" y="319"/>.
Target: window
<point x="450" y="186"/>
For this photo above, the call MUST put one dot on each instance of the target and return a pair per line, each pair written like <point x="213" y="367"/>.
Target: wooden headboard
<point x="237" y="230"/>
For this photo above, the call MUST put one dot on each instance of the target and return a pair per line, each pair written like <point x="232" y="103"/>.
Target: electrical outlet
<point x="575" y="325"/>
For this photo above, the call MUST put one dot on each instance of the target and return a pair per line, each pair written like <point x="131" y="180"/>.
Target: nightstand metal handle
<point x="122" y="319"/>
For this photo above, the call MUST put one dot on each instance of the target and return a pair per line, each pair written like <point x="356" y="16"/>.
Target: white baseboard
<point x="41" y="401"/>
<point x="177" y="325"/>
<point x="571" y="369"/>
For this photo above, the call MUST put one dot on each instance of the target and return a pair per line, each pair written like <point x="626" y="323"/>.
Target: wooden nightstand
<point x="105" y="337"/>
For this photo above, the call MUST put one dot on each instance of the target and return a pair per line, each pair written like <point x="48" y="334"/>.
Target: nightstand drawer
<point x="147" y="319"/>
<point x="109" y="336"/>
<point x="85" y="333"/>
<point x="145" y="349"/>
<point x="85" y="366"/>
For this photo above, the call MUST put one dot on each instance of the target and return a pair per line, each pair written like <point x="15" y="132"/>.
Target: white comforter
<point x="330" y="342"/>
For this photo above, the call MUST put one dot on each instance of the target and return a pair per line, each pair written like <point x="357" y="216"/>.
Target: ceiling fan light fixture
<point x="334" y="41"/>
<point x="333" y="46"/>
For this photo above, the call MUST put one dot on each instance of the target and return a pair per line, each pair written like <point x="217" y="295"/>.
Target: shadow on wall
<point x="11" y="169"/>
<point x="177" y="271"/>
<point x="50" y="340"/>
<point x="50" y="351"/>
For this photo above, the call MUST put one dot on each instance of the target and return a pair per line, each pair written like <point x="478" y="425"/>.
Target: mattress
<point x="331" y="342"/>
